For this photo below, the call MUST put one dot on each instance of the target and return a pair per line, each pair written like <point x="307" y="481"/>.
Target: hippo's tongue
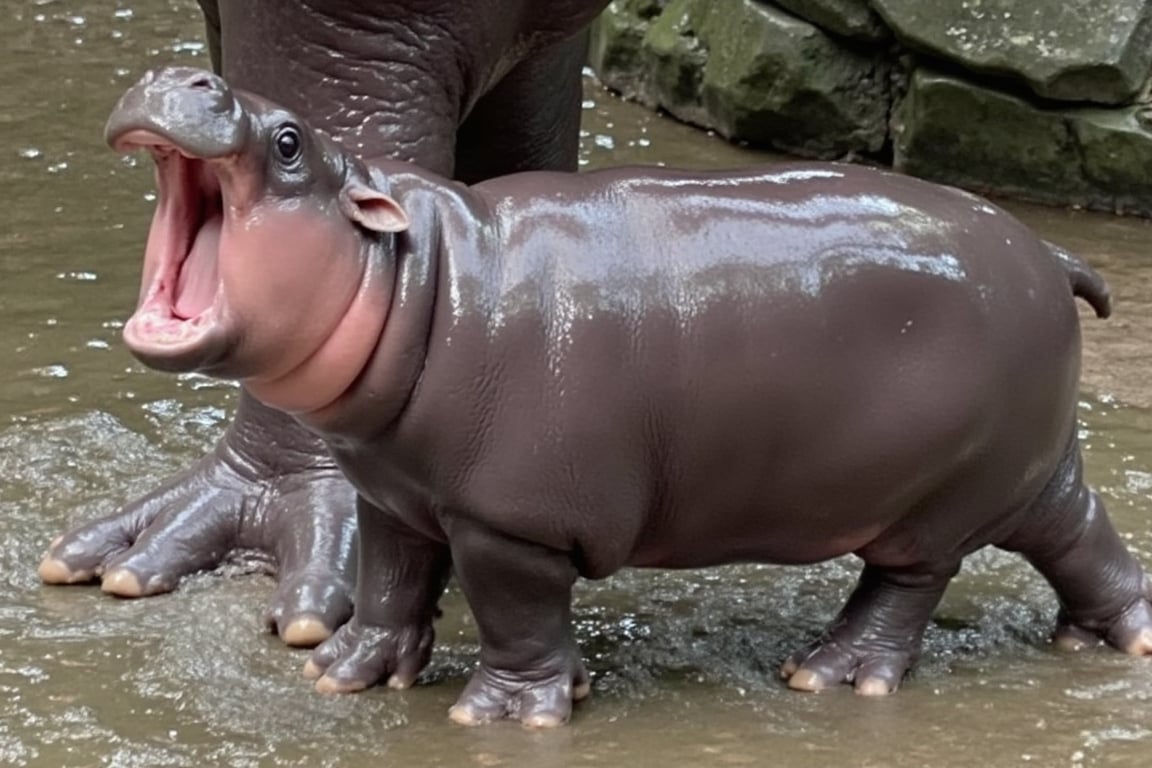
<point x="199" y="276"/>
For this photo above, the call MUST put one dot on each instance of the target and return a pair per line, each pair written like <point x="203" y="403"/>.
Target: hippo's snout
<point x="192" y="109"/>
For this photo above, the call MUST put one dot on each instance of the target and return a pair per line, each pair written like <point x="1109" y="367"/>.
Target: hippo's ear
<point x="371" y="209"/>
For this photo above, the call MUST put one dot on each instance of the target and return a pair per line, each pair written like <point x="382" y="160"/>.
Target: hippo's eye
<point x="288" y="143"/>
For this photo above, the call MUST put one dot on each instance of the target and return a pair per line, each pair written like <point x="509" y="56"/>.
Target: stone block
<point x="1073" y="50"/>
<point x="850" y="18"/>
<point x="957" y="132"/>
<point x="755" y="73"/>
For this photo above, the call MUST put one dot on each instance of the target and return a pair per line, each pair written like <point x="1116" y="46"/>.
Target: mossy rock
<point x="776" y="79"/>
<point x="849" y="18"/>
<point x="954" y="131"/>
<point x="755" y="73"/>
<point x="676" y="58"/>
<point x="1072" y="50"/>
<point x="614" y="50"/>
<point x="1116" y="152"/>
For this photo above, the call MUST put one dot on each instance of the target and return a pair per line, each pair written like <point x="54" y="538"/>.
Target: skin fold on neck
<point x="392" y="348"/>
<point x="328" y="373"/>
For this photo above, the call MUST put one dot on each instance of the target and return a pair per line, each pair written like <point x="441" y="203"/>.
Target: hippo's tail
<point x="1085" y="281"/>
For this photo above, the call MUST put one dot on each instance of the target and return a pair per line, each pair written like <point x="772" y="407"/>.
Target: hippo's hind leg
<point x="876" y="637"/>
<point x="1103" y="591"/>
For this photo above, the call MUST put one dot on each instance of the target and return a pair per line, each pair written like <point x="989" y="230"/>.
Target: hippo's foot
<point x="876" y="638"/>
<point x="538" y="699"/>
<point x="832" y="661"/>
<point x="401" y="577"/>
<point x="268" y="486"/>
<point x="1130" y="631"/>
<point x="1104" y="593"/>
<point x="360" y="656"/>
<point x="521" y="595"/>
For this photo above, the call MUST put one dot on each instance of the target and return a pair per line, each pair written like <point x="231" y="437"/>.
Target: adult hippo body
<point x="550" y="375"/>
<point x="469" y="88"/>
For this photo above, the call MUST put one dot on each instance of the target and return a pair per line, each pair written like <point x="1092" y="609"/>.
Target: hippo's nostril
<point x="204" y="82"/>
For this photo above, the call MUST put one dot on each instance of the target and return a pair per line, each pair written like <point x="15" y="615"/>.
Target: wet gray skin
<point x="683" y="663"/>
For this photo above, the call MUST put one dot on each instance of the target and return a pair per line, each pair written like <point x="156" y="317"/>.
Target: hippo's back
<point x="657" y="236"/>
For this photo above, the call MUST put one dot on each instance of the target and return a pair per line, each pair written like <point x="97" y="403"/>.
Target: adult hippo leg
<point x="530" y="121"/>
<point x="1103" y="592"/>
<point x="390" y="637"/>
<point x="268" y="486"/>
<point x="521" y="595"/>
<point x="876" y="637"/>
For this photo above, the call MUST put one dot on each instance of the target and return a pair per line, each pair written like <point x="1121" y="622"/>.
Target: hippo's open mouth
<point x="181" y="296"/>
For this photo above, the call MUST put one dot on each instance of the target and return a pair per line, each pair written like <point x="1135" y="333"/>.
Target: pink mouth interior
<point x="199" y="272"/>
<point x="191" y="267"/>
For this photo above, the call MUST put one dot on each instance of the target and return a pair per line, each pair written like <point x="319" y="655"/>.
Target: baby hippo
<point x="549" y="376"/>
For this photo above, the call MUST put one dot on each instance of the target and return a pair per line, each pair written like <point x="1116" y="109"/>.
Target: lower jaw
<point x="165" y="343"/>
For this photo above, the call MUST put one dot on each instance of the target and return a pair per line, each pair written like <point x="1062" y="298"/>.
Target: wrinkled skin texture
<point x="455" y="86"/>
<point x="817" y="360"/>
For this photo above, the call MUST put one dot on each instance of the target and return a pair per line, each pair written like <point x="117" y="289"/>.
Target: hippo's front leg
<point x="400" y="579"/>
<point x="876" y="637"/>
<point x="521" y="595"/>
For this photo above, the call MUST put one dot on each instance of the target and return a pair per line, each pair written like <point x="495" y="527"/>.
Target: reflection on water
<point x="684" y="663"/>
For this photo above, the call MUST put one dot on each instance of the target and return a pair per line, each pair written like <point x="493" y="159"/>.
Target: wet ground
<point x="684" y="663"/>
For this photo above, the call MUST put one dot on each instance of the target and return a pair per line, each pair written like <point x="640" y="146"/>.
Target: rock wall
<point x="1044" y="100"/>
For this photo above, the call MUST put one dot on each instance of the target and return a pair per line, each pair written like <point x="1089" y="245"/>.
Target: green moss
<point x="615" y="48"/>
<point x="1116" y="151"/>
<point x="675" y="60"/>
<point x="849" y="18"/>
<point x="954" y="131"/>
<point x="1089" y="50"/>
<point x="779" y="80"/>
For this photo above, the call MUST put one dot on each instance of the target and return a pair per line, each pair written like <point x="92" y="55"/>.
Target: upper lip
<point x="187" y="108"/>
<point x="128" y="135"/>
<point x="147" y="137"/>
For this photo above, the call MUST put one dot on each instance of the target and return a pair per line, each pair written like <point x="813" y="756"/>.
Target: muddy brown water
<point x="684" y="662"/>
